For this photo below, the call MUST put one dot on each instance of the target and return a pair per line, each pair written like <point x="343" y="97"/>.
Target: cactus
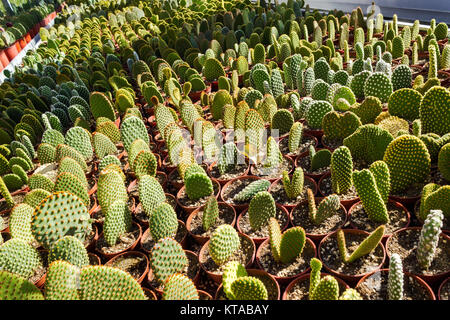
<point x="58" y="215"/>
<point x="220" y="100"/>
<point x="110" y="187"/>
<point x="151" y="194"/>
<point x="179" y="287"/>
<point x="295" y="137"/>
<point x="69" y="165"/>
<point x="223" y="244"/>
<point x="63" y="150"/>
<point x="102" y="145"/>
<point x="20" y="223"/>
<point x="405" y="103"/>
<point x="316" y="112"/>
<point x="70" y="183"/>
<point x="133" y="128"/>
<point x="228" y="158"/>
<point x="213" y="69"/>
<point x="39" y="181"/>
<point x="61" y="282"/>
<point x="69" y="249"/>
<point x="429" y="238"/>
<point x="293" y="188"/>
<point x="163" y="222"/>
<point x="435" y="117"/>
<point x="17" y="256"/>
<point x="101" y="282"/>
<point x="327" y="207"/>
<point x="408" y="160"/>
<point x="52" y="137"/>
<point x="283" y="121"/>
<point x="378" y="85"/>
<point x="357" y="83"/>
<point x="117" y="221"/>
<point x="197" y="183"/>
<point x="15" y="287"/>
<point x="364" y="248"/>
<point x="210" y="213"/>
<point x="401" y="77"/>
<point x="341" y="170"/>
<point x="251" y="190"/>
<point x="395" y="280"/>
<point x="319" y="159"/>
<point x="339" y="126"/>
<point x="167" y="257"/>
<point x="288" y="246"/>
<point x="261" y="208"/>
<point x="6" y="194"/>
<point x="108" y="128"/>
<point x="350" y="294"/>
<point x="80" y="139"/>
<point x="101" y="106"/>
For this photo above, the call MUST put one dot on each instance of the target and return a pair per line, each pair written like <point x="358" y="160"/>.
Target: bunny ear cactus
<point x="101" y="282"/>
<point x="316" y="112"/>
<point x="405" y="103"/>
<point x="434" y="111"/>
<point x="63" y="150"/>
<point x="102" y="145"/>
<point x="80" y="139"/>
<point x="228" y="158"/>
<point x="295" y="187"/>
<point x="327" y="207"/>
<point x="60" y="214"/>
<point x="378" y="85"/>
<point x="20" y="222"/>
<point x="326" y="288"/>
<point x="179" y="287"/>
<point x="101" y="106"/>
<point x="133" y="128"/>
<point x="46" y="153"/>
<point x="18" y="257"/>
<point x="429" y="238"/>
<point x="210" y="213"/>
<point x="110" y="187"/>
<point x="364" y="248"/>
<point x="282" y="121"/>
<point x="273" y="154"/>
<point x="167" y="257"/>
<point x="6" y="194"/>
<point x="213" y="69"/>
<point x="261" y="209"/>
<point x="163" y="222"/>
<point x="295" y="137"/>
<point x="15" y="287"/>
<point x="249" y="288"/>
<point x="223" y="244"/>
<point x="69" y="249"/>
<point x="61" y="282"/>
<point x="69" y="165"/>
<point x="251" y="190"/>
<point x="220" y="100"/>
<point x="350" y="294"/>
<point x="338" y="126"/>
<point x="288" y="246"/>
<point x="341" y="170"/>
<point x="395" y="280"/>
<point x="151" y="193"/>
<point x="408" y="160"/>
<point x="117" y="221"/>
<point x="70" y="183"/>
<point x="197" y="183"/>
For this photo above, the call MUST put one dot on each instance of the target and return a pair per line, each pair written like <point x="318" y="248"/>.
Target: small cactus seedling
<point x="210" y="213"/>
<point x="288" y="246"/>
<point x="364" y="248"/>
<point x="395" y="280"/>
<point x="293" y="188"/>
<point x="327" y="207"/>
<point x="429" y="238"/>
<point x="326" y="288"/>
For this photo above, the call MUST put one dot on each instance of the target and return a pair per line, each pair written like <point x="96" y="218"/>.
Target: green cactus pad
<point x="223" y="243"/>
<point x="14" y="287"/>
<point x="179" y="287"/>
<point x="261" y="209"/>
<point x="69" y="249"/>
<point x="167" y="257"/>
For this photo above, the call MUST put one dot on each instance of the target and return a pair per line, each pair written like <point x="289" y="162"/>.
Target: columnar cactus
<point x="295" y="136"/>
<point x="429" y="238"/>
<point x="288" y="246"/>
<point x="364" y="248"/>
<point x="341" y="170"/>
<point x="395" y="280"/>
<point x="223" y="244"/>
<point x="228" y="158"/>
<point x="251" y="190"/>
<point x="167" y="257"/>
<point x="261" y="209"/>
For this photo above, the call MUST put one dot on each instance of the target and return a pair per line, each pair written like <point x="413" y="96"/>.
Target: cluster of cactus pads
<point x="188" y="133"/>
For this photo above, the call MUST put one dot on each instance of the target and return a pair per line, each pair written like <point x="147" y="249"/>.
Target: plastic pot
<point x="130" y="254"/>
<point x="130" y="248"/>
<point x="11" y="52"/>
<point x="241" y="206"/>
<point x="289" y="207"/>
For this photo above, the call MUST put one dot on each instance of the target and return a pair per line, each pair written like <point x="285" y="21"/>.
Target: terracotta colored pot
<point x="4" y="59"/>
<point x="217" y="278"/>
<point x="258" y="241"/>
<point x="316" y="176"/>
<point x="316" y="133"/>
<point x="150" y="293"/>
<point x="418" y="279"/>
<point x="221" y="181"/>
<point x="306" y="277"/>
<point x="96" y="258"/>
<point x="11" y="52"/>
<point x="22" y="43"/>
<point x="397" y="204"/>
<point x="189" y="209"/>
<point x="93" y="189"/>
<point x="289" y="207"/>
<point x="201" y="239"/>
<point x="18" y="46"/>
<point x="91" y="245"/>
<point x="405" y="200"/>
<point x="351" y="279"/>
<point x="441" y="288"/>
<point x="167" y="165"/>
<point x="316" y="237"/>
<point x="40" y="283"/>
<point x="346" y="203"/>
<point x="433" y="279"/>
<point x="294" y="156"/>
<point x="253" y="273"/>
<point x="204" y="295"/>
<point x="237" y="207"/>
<point x="325" y="144"/>
<point x="130" y="248"/>
<point x="289" y="159"/>
<point x="128" y="254"/>
<point x="282" y="280"/>
<point x="28" y="37"/>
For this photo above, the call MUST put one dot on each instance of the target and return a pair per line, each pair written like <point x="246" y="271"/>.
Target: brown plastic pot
<point x="22" y="43"/>
<point x="283" y="280"/>
<point x="433" y="279"/>
<point x="318" y="133"/>
<point x="258" y="241"/>
<point x="325" y="145"/>
<point x="418" y="279"/>
<point x="289" y="207"/>
<point x="40" y="283"/>
<point x="346" y="203"/>
<point x="189" y="209"/>
<point x="395" y="203"/>
<point x="150" y="293"/>
<point x="201" y="239"/>
<point x="406" y="201"/>
<point x="167" y="165"/>
<point x="93" y="189"/>
<point x="316" y="237"/>
<point x="289" y="159"/>
<point x="4" y="58"/>
<point x="96" y="257"/>
<point x="217" y="278"/>
<point x="171" y="177"/>
<point x="132" y="253"/>
<point x="253" y="273"/>
<point x="237" y="207"/>
<point x="441" y="288"/>
<point x="295" y="155"/>
<point x="204" y="295"/>
<point x="11" y="52"/>
<point x="351" y="279"/>
<point x="316" y="176"/>
<point x="222" y="181"/>
<point x="306" y="277"/>
<point x="91" y="244"/>
<point x="130" y="248"/>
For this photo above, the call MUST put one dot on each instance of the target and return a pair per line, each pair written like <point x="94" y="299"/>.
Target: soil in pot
<point x="269" y="283"/>
<point x="94" y="260"/>
<point x="329" y="254"/>
<point x="236" y="172"/>
<point x="40" y="271"/>
<point x="332" y="144"/>
<point x="305" y="163"/>
<point x="18" y="198"/>
<point x="300" y="217"/>
<point x="279" y="269"/>
<point x="279" y="195"/>
<point x="244" y="224"/>
<point x="445" y="222"/>
<point x="325" y="187"/>
<point x="147" y="241"/>
<point x="405" y="244"/>
<point x="191" y="270"/>
<point x="226" y="216"/>
<point x="206" y="284"/>
<point x="397" y="218"/>
<point x="300" y="290"/>
<point x="272" y="173"/>
<point x="375" y="287"/>
<point x="445" y="291"/>
<point x="243" y="255"/>
<point x="414" y="190"/>
<point x="234" y="188"/>
<point x="124" y="242"/>
<point x="90" y="237"/>
<point x="134" y="264"/>
<point x="184" y="200"/>
<point x="307" y="141"/>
